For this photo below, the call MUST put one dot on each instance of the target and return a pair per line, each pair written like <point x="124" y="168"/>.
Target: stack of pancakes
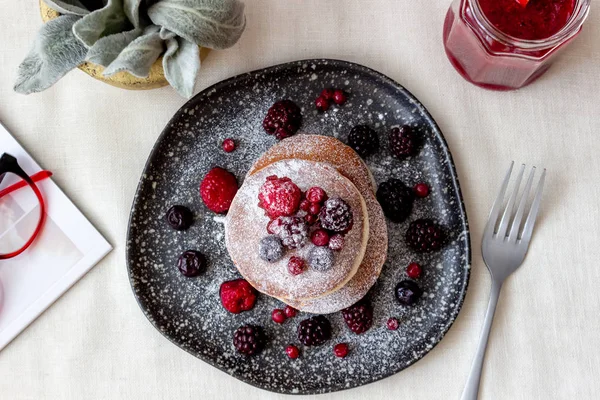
<point x="311" y="160"/>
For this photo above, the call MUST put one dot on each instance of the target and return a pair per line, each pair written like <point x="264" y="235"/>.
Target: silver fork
<point x="503" y="252"/>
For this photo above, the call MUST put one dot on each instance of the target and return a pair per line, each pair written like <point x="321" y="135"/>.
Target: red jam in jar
<point x="507" y="44"/>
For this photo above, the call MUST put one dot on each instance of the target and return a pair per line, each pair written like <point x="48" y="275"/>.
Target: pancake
<point x="246" y="225"/>
<point x="349" y="163"/>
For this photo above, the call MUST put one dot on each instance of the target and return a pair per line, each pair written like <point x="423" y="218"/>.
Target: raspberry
<point x="237" y="296"/>
<point x="336" y="215"/>
<point x="228" y="145"/>
<point x="359" y="317"/>
<point x="393" y="324"/>
<point x="249" y="339"/>
<point x="424" y="235"/>
<point x="341" y="350"/>
<point x="396" y="200"/>
<point x="421" y="190"/>
<point x="278" y="316"/>
<point x="290" y="311"/>
<point x="336" y="242"/>
<point x="293" y="231"/>
<point x="320" y="237"/>
<point x="321" y="259"/>
<point x="314" y="331"/>
<point x="363" y="140"/>
<point x="339" y="97"/>
<point x="403" y="142"/>
<point x="295" y="265"/>
<point x="270" y="248"/>
<point x="279" y="197"/>
<point x="316" y="195"/>
<point x="314" y="208"/>
<point x="180" y="218"/>
<point x="408" y="292"/>
<point x="327" y="94"/>
<point x="292" y="352"/>
<point x="283" y="119"/>
<point x="413" y="270"/>
<point x="191" y="263"/>
<point x="322" y="104"/>
<point x="218" y="188"/>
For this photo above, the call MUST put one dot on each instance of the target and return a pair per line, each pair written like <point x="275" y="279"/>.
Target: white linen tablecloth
<point x="95" y="343"/>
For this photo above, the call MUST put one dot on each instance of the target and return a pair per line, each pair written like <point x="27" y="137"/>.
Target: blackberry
<point x="283" y="119"/>
<point x="424" y="235"/>
<point x="293" y="231"/>
<point x="363" y="140"/>
<point x="408" y="292"/>
<point x="403" y="142"/>
<point x="359" y="317"/>
<point x="314" y="331"/>
<point x="396" y="200"/>
<point x="249" y="339"/>
<point x="336" y="215"/>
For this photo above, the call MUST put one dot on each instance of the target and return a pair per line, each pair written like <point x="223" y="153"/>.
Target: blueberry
<point x="179" y="217"/>
<point x="191" y="263"/>
<point x="408" y="292"/>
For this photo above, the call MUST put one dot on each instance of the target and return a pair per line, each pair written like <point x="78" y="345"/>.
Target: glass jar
<point x="487" y="57"/>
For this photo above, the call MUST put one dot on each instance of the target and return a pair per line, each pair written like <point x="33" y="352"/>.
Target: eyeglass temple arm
<point x="21" y="184"/>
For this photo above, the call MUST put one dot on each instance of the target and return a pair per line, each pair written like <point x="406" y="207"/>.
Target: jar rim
<point x="571" y="28"/>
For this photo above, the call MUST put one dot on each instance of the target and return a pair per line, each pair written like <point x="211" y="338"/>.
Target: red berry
<point x="292" y="351"/>
<point x="314" y="208"/>
<point x="305" y="205"/>
<point x="290" y="311"/>
<point x="413" y="270"/>
<point x="392" y="324"/>
<point x="339" y="97"/>
<point x="237" y="296"/>
<point x="340" y="350"/>
<point x="310" y="219"/>
<point x="218" y="188"/>
<point x="279" y="197"/>
<point x="315" y="195"/>
<point x="278" y="316"/>
<point x="322" y="104"/>
<point x="320" y="237"/>
<point x="295" y="265"/>
<point x="327" y="94"/>
<point x="336" y="242"/>
<point x="421" y="190"/>
<point x="228" y="145"/>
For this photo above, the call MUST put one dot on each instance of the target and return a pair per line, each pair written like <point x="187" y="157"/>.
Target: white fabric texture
<point x="95" y="343"/>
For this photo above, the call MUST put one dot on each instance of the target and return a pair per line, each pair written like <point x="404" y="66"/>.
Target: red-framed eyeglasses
<point x="22" y="214"/>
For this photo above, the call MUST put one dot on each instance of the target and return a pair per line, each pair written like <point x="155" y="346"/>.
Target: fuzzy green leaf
<point x="181" y="63"/>
<point x="103" y="22"/>
<point x="108" y="48"/>
<point x="139" y="55"/>
<point x="73" y="7"/>
<point x="132" y="10"/>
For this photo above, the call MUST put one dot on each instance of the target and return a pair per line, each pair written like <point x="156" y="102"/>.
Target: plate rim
<point x="455" y="182"/>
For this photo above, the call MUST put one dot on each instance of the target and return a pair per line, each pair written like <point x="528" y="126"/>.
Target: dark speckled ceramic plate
<point x="188" y="311"/>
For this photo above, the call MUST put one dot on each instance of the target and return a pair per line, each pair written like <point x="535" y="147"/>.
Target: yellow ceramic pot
<point x="155" y="79"/>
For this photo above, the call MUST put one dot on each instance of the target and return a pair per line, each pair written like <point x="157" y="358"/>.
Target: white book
<point x="67" y="248"/>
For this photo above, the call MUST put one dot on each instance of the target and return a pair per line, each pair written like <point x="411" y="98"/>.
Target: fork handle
<point x="471" y="391"/>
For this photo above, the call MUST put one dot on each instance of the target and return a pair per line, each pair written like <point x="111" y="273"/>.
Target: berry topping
<point x="321" y="258"/>
<point x="396" y="200"/>
<point x="314" y="208"/>
<point x="392" y="324"/>
<point x="403" y="142"/>
<point x="322" y="104"/>
<point x="363" y="140"/>
<point x="180" y="218"/>
<point x="424" y="235"/>
<point x="249" y="339"/>
<point x="295" y="265"/>
<point x="359" y="317"/>
<point x="408" y="292"/>
<point x="228" y="145"/>
<point x="327" y="94"/>
<point x="421" y="190"/>
<point x="290" y="311"/>
<point x="270" y="248"/>
<point x="283" y="119"/>
<point x="336" y="215"/>
<point x="341" y="350"/>
<point x="413" y="270"/>
<point x="320" y="237"/>
<point x="218" y="188"/>
<point x="237" y="296"/>
<point x="279" y="197"/>
<point x="292" y="352"/>
<point x="316" y="195"/>
<point x="191" y="263"/>
<point x="305" y="205"/>
<point x="293" y="231"/>
<point x="336" y="242"/>
<point x="339" y="97"/>
<point x="278" y="316"/>
<point x="310" y="219"/>
<point x="314" y="331"/>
